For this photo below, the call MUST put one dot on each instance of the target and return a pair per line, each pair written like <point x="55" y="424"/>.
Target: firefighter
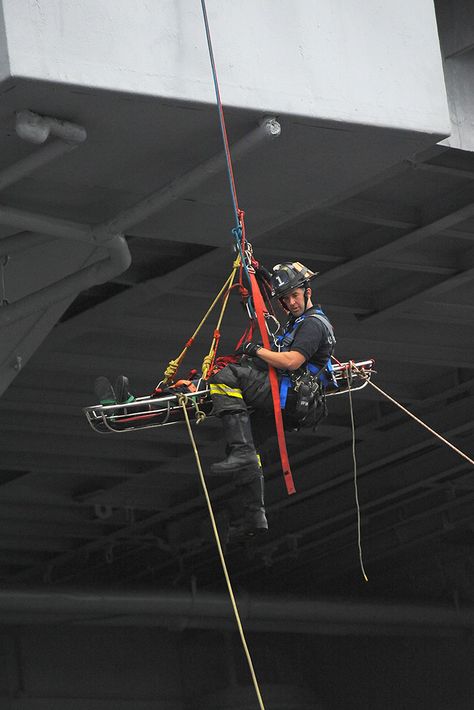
<point x="307" y="342"/>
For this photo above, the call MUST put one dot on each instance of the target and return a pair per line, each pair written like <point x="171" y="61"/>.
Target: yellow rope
<point x="208" y="360"/>
<point x="174" y="364"/>
<point x="182" y="401"/>
<point x="400" y="406"/>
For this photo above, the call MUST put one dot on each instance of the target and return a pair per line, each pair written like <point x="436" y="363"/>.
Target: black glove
<point x="262" y="271"/>
<point x="250" y="349"/>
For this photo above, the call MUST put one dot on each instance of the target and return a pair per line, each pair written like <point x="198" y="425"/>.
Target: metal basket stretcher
<point x="164" y="410"/>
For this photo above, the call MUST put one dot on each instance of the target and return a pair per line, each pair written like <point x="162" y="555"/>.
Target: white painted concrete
<point x="375" y="63"/>
<point x="4" y="60"/>
<point x="456" y="26"/>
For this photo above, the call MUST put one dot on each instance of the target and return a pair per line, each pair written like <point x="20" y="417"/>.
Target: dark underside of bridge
<point x="126" y="511"/>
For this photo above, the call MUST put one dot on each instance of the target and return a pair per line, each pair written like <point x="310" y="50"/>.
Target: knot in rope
<point x="200" y="415"/>
<point x="171" y="370"/>
<point x="206" y="364"/>
<point x="237" y="232"/>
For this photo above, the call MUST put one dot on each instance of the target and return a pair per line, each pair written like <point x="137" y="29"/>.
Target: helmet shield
<point x="288" y="276"/>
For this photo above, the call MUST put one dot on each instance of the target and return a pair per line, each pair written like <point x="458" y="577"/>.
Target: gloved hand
<point x="250" y="349"/>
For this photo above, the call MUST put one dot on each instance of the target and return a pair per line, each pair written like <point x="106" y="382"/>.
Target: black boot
<point x="122" y="390"/>
<point x="104" y="391"/>
<point x="254" y="521"/>
<point x="238" y="436"/>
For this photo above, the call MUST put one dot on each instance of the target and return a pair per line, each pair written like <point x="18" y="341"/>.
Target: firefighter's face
<point x="294" y="301"/>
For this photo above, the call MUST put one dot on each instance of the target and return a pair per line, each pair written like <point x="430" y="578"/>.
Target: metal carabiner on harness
<point x="248" y="255"/>
<point x="273" y="334"/>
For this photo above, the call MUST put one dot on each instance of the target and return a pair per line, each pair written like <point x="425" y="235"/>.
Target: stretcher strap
<point x="259" y="310"/>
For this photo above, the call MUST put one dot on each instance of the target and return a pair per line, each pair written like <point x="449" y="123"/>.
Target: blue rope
<point x="221" y="117"/>
<point x="237" y="230"/>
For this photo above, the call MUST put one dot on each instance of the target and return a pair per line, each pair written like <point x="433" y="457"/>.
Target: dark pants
<point x="237" y="387"/>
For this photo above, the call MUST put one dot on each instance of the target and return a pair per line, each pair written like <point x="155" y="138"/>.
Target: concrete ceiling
<point x="393" y="241"/>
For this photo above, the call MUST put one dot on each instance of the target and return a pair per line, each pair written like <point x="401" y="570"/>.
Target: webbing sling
<point x="259" y="306"/>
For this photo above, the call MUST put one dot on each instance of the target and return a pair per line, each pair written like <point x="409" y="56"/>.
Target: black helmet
<point x="288" y="276"/>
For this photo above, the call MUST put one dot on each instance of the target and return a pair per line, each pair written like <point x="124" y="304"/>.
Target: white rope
<point x="356" y="491"/>
<point x="422" y="423"/>
<point x="353" y="368"/>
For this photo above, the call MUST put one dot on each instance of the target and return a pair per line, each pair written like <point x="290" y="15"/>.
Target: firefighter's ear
<point x="308" y="292"/>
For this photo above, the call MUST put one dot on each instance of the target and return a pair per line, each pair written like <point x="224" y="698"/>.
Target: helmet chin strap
<point x="306" y="299"/>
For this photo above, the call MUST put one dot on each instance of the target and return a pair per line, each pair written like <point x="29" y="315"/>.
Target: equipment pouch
<point x="304" y="398"/>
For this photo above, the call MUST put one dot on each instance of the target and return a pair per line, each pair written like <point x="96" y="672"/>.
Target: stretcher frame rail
<point x="165" y="410"/>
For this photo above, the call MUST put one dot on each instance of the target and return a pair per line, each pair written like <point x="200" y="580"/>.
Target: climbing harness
<point x="303" y="390"/>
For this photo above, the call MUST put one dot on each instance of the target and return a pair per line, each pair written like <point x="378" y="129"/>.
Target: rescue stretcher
<point x="166" y="409"/>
